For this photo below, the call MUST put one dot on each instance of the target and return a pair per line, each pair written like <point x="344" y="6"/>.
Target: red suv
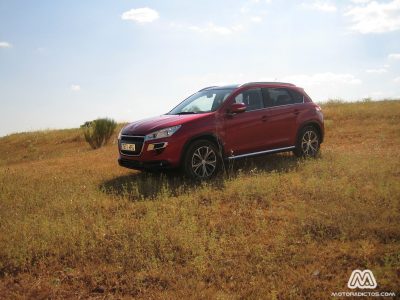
<point x="223" y="123"/>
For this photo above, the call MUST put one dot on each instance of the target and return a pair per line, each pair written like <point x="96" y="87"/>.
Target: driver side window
<point x="252" y="98"/>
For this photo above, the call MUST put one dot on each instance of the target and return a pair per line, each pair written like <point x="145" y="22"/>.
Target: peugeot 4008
<point x="224" y="123"/>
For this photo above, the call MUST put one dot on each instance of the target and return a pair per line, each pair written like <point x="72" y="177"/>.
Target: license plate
<point x="128" y="147"/>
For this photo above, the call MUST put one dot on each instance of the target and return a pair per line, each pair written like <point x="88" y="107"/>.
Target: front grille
<point x="137" y="140"/>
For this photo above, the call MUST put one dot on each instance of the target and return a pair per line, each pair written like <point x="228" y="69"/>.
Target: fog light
<point x="157" y="146"/>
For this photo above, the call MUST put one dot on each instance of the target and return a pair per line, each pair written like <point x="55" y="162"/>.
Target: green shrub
<point x="98" y="132"/>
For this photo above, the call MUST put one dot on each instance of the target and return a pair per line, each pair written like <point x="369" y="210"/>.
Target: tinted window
<point x="297" y="97"/>
<point x="267" y="99"/>
<point x="251" y="98"/>
<point x="277" y="97"/>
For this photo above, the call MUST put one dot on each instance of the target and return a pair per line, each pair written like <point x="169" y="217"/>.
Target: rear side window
<point x="297" y="97"/>
<point x="280" y="96"/>
<point x="252" y="98"/>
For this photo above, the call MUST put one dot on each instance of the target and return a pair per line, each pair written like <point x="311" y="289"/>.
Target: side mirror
<point x="237" y="108"/>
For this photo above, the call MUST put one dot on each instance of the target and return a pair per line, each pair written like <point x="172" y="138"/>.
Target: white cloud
<point x="215" y="29"/>
<point x="140" y="15"/>
<point x="327" y="78"/>
<point x="394" y="56"/>
<point x="360" y="1"/>
<point x="75" y="87"/>
<point x="375" y="17"/>
<point x="323" y="6"/>
<point x="256" y="19"/>
<point x="259" y="1"/>
<point x="397" y="79"/>
<point x="237" y="28"/>
<point x="253" y="6"/>
<point x="5" y="45"/>
<point x="245" y="9"/>
<point x="376" y="71"/>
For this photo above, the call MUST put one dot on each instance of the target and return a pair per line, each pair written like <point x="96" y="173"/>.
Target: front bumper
<point x="152" y="156"/>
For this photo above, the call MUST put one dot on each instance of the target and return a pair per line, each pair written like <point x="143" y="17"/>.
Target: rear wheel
<point x="202" y="160"/>
<point x="308" y="142"/>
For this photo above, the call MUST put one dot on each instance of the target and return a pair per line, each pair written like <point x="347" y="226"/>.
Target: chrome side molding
<point x="262" y="152"/>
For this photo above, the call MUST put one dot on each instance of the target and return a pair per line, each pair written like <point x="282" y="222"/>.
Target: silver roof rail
<point x="209" y="87"/>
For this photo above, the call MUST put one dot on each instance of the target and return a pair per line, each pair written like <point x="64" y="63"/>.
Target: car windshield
<point x="202" y="102"/>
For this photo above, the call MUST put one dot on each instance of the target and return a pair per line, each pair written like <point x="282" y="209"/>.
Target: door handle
<point x="264" y="118"/>
<point x="296" y="111"/>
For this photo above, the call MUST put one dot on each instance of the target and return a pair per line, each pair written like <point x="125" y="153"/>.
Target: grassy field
<point x="75" y="224"/>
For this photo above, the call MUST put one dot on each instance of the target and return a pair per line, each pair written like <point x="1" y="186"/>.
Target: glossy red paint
<point x="269" y="129"/>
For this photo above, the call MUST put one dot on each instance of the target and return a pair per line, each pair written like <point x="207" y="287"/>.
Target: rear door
<point x="283" y="108"/>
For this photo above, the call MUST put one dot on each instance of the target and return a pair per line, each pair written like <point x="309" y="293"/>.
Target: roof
<point x="269" y="82"/>
<point x="235" y="86"/>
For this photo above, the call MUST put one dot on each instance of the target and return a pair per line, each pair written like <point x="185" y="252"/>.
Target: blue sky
<point x="65" y="62"/>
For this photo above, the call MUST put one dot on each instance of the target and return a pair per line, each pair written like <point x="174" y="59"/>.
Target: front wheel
<point x="202" y="160"/>
<point x="308" y="142"/>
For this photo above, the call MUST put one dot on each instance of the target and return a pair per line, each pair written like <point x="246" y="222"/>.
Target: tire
<point x="308" y="142"/>
<point x="202" y="160"/>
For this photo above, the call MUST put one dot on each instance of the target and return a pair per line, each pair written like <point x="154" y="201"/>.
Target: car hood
<point x="149" y="125"/>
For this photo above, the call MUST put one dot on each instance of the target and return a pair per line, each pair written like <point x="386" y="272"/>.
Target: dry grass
<point x="74" y="224"/>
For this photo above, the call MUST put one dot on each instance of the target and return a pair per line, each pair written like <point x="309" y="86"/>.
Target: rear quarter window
<point x="297" y="96"/>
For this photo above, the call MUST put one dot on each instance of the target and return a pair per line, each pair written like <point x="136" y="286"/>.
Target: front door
<point x="244" y="132"/>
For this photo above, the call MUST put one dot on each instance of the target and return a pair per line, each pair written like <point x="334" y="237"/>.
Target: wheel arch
<point x="203" y="136"/>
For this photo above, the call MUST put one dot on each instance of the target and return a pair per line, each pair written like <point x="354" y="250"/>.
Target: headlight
<point x="163" y="133"/>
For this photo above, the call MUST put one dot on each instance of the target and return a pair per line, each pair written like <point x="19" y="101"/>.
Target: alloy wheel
<point x="204" y="162"/>
<point x="310" y="143"/>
